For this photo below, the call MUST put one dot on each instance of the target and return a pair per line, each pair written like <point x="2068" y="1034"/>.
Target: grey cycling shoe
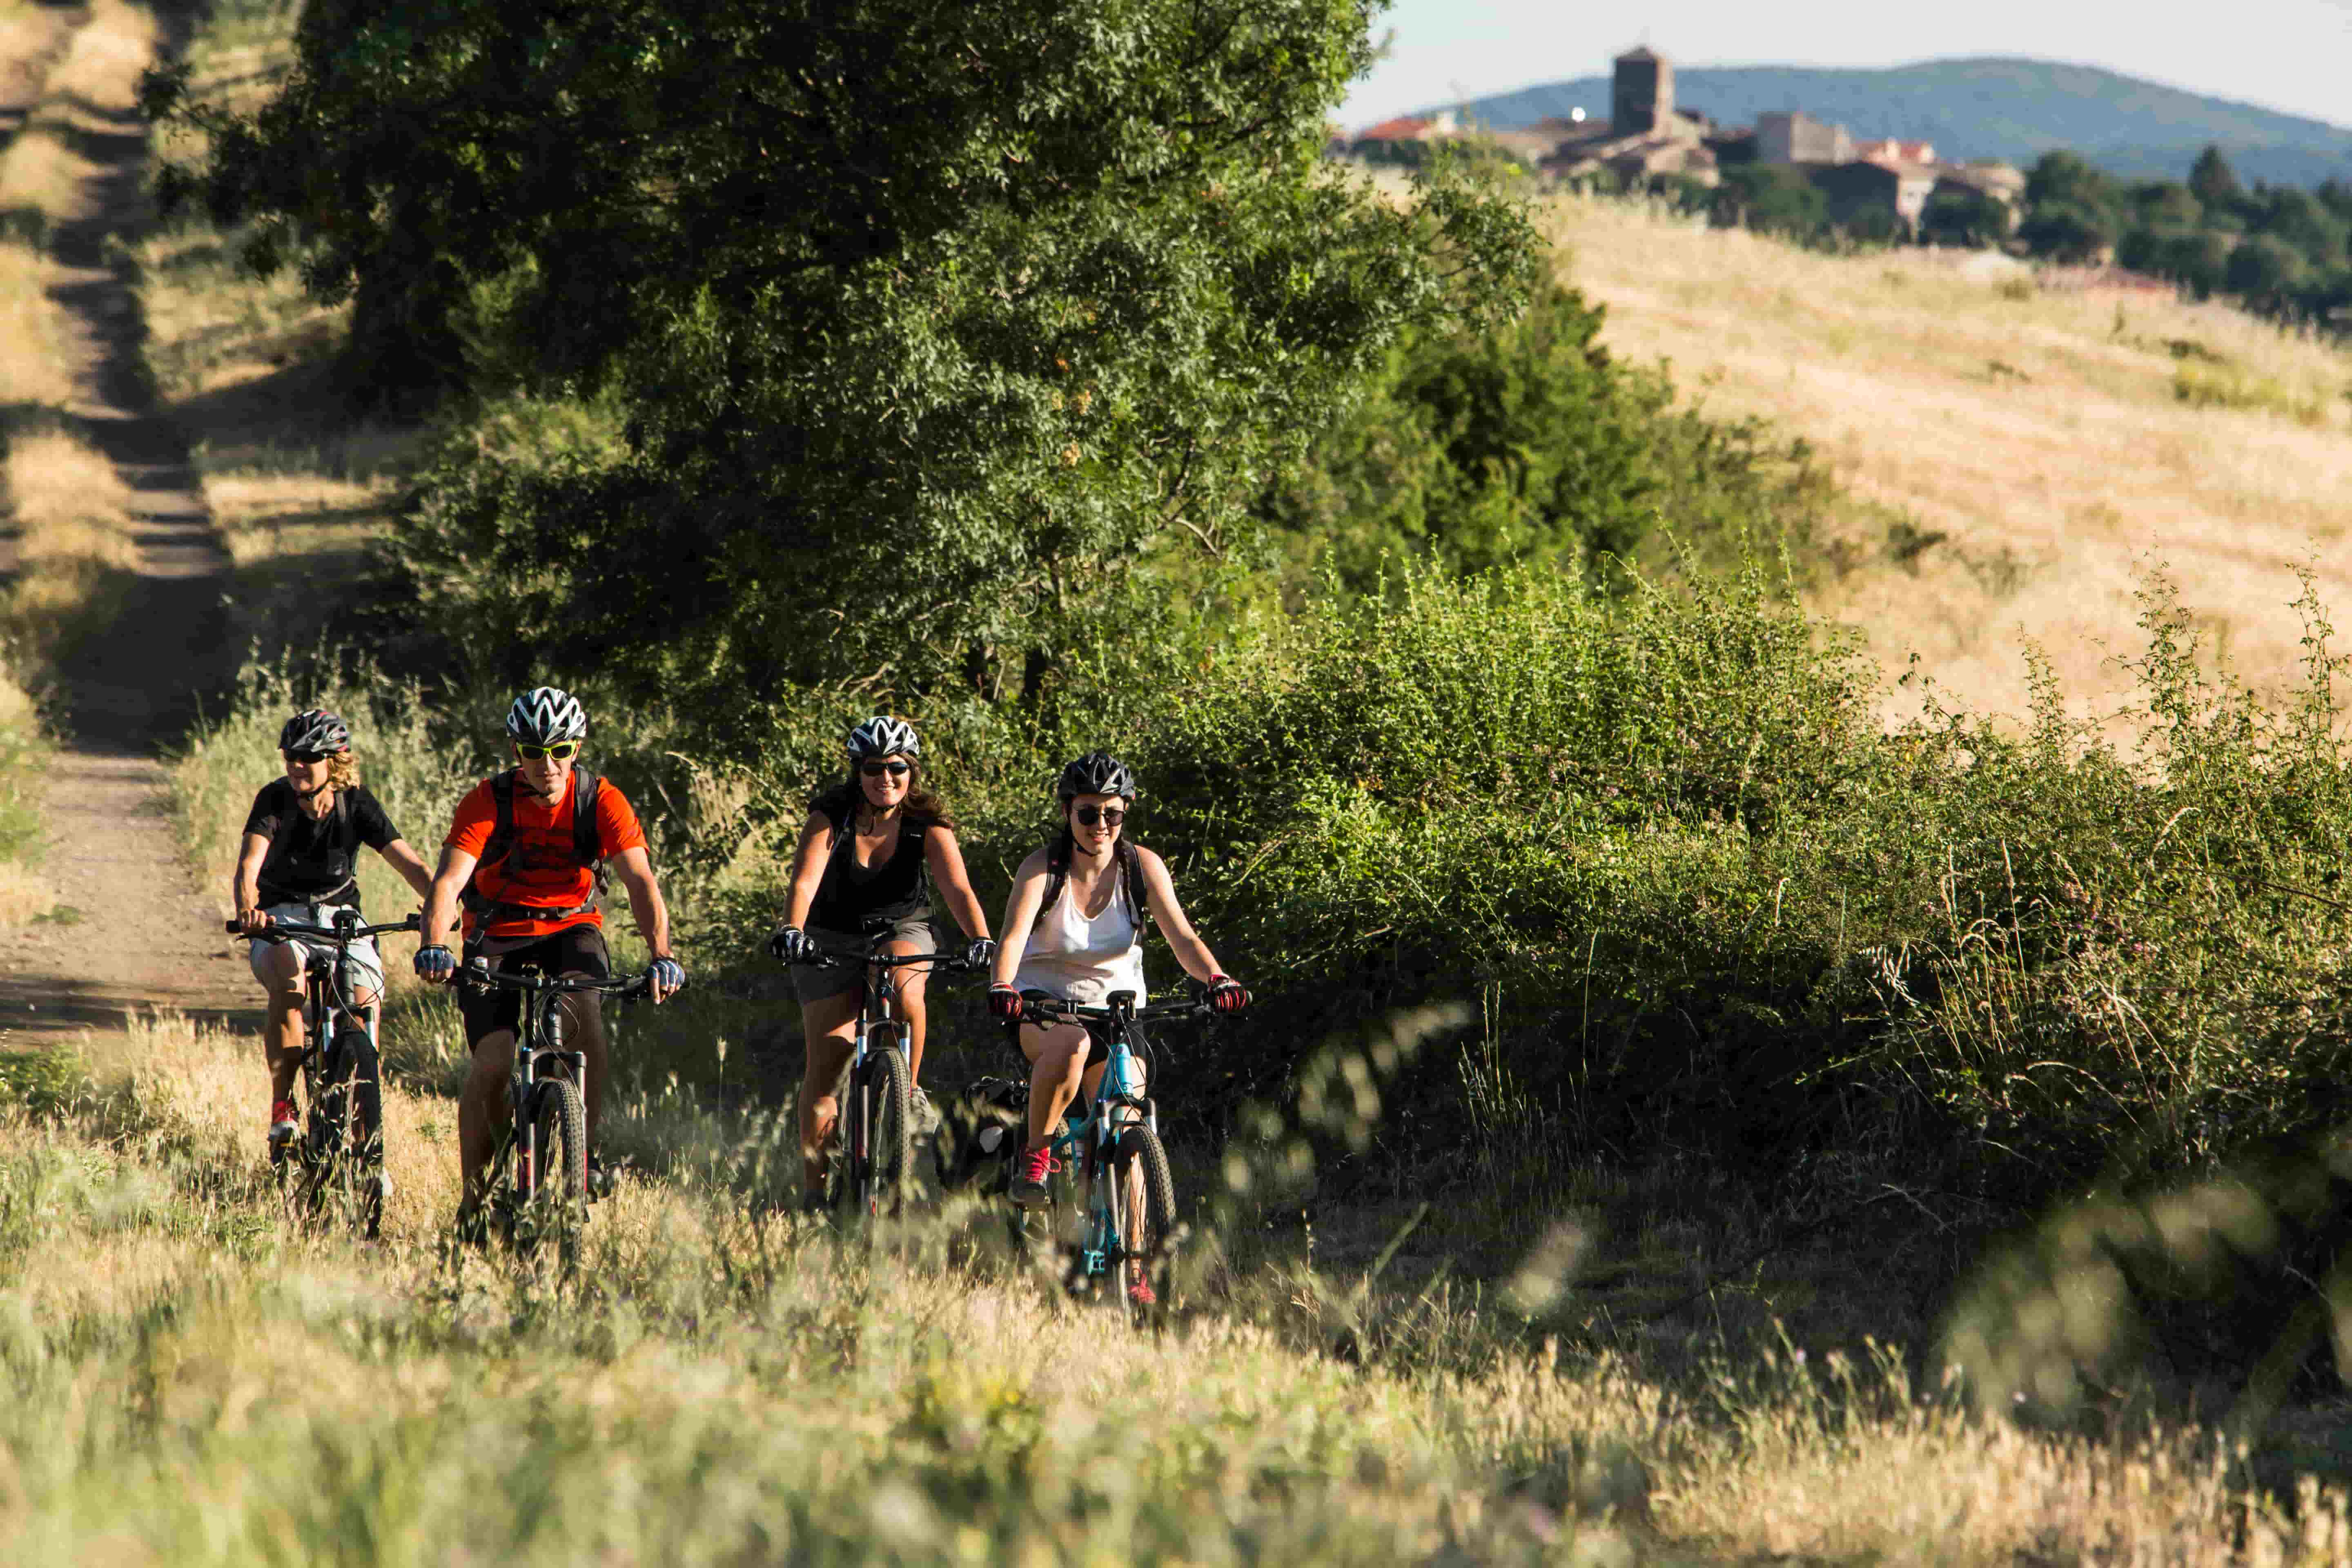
<point x="925" y="1118"/>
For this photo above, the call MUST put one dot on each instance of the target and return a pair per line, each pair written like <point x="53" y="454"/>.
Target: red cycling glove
<point x="1225" y="993"/>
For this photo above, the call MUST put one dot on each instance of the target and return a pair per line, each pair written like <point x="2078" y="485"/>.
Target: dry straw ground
<point x="70" y="510"/>
<point x="198" y="1382"/>
<point x="2050" y="444"/>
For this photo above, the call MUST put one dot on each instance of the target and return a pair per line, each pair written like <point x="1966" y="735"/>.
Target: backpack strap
<point x="1130" y="866"/>
<point x="282" y="833"/>
<point x="587" y="846"/>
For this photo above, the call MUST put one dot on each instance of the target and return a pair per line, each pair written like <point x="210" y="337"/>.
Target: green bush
<point x="1532" y="444"/>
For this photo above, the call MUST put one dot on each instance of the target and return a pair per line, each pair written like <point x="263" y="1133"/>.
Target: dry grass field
<point x="69" y="510"/>
<point x="201" y="1382"/>
<point x="2050" y="446"/>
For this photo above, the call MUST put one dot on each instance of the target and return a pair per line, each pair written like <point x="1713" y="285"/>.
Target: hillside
<point x="1990" y="108"/>
<point x="2042" y="448"/>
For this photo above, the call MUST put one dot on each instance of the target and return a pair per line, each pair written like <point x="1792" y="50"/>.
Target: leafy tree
<point x="2335" y="195"/>
<point x="1532" y="445"/>
<point x="2166" y="205"/>
<point x="924" y="320"/>
<point x="2200" y="260"/>
<point x="1773" y="198"/>
<point x="2262" y="269"/>
<point x="2067" y="234"/>
<point x="1959" y="214"/>
<point x="2062" y="179"/>
<point x="2213" y="183"/>
<point x="2297" y="218"/>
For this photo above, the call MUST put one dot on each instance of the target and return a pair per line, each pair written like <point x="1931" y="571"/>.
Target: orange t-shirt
<point x="540" y="869"/>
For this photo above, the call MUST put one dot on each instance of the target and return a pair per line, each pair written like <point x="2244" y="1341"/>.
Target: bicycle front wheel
<point x="877" y="1136"/>
<point x="1142" y="1195"/>
<point x="350" y="1147"/>
<point x="558" y="1200"/>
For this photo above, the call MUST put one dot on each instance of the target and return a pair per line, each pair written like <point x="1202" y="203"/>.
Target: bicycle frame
<point x="879" y="1027"/>
<point x="538" y="1053"/>
<point x="1118" y="1103"/>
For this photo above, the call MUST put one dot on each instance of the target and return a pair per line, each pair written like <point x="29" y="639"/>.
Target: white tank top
<point x="1082" y="960"/>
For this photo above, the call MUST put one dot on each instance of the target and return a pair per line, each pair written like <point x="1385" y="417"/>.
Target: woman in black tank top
<point x="868" y="853"/>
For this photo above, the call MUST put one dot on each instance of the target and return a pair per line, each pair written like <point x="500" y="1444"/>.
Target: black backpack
<point x="587" y="848"/>
<point x="1131" y="881"/>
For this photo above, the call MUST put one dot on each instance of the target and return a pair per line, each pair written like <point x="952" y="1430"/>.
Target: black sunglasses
<point x="1110" y="816"/>
<point x="876" y="770"/>
<point x="307" y="756"/>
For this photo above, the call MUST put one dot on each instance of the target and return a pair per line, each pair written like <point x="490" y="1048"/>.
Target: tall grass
<point x="196" y="1380"/>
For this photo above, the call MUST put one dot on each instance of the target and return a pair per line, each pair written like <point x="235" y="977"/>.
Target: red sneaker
<point x="1141" y="1294"/>
<point x="1029" y="1177"/>
<point x="281" y="1121"/>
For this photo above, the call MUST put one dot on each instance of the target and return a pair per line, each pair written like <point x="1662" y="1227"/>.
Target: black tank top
<point x="851" y="895"/>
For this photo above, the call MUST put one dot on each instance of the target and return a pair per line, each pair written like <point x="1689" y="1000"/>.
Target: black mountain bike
<point x="539" y="1175"/>
<point x="337" y="1155"/>
<point x="873" y="1146"/>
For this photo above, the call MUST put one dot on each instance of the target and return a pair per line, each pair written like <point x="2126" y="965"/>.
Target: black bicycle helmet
<point x="1097" y="772"/>
<point x="314" y="730"/>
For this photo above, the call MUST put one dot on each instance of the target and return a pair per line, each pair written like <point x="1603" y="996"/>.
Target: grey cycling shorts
<point x="815" y="983"/>
<point x="363" y="969"/>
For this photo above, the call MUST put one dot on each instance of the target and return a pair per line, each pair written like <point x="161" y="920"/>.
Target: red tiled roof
<point x="1403" y="128"/>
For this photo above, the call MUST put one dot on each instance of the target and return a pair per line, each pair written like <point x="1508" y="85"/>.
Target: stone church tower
<point x="1641" y="97"/>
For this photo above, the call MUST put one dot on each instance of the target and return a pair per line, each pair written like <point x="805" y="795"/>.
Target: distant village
<point x="1648" y="136"/>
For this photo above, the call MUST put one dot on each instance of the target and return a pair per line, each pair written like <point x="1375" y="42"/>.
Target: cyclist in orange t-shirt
<point x="532" y="899"/>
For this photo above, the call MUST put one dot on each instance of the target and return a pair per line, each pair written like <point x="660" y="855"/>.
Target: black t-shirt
<point x="314" y="856"/>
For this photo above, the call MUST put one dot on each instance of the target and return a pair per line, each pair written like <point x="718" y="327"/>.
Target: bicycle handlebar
<point x="296" y="930"/>
<point x="627" y="987"/>
<point x="834" y="958"/>
<point x="1053" y="1009"/>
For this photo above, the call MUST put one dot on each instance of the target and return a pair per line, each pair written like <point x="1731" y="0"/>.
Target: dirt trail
<point x="132" y="931"/>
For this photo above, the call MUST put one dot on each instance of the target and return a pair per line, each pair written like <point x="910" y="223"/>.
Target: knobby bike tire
<point x="1140" y="1179"/>
<point x="884" y="1095"/>
<point x="350" y="1159"/>
<point x="560" y="1134"/>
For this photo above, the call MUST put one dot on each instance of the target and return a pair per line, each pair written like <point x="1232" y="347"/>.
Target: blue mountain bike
<point x="1124" y="1233"/>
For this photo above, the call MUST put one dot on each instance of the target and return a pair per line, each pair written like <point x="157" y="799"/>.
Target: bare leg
<point x="914" y="1010"/>
<point x="281" y="1037"/>
<point x="482" y="1109"/>
<point x="1057" y="1057"/>
<point x="829" y="1025"/>
<point x="583" y="1021"/>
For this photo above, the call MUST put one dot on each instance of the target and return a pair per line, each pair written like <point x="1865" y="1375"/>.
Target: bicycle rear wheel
<point x="350" y="1154"/>
<point x="1142" y="1194"/>
<point x="557" y="1204"/>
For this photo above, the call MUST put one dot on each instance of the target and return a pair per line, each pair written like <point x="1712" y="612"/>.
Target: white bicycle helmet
<point x="543" y="716"/>
<point x="315" y="730"/>
<point x="883" y="736"/>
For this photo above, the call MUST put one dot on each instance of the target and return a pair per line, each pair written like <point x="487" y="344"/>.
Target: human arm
<point x="1021" y="907"/>
<point x="1191" y="952"/>
<point x="449" y="880"/>
<point x="809" y="861"/>
<point x="245" y="882"/>
<point x="634" y="867"/>
<point x="945" y="858"/>
<point x="405" y="860"/>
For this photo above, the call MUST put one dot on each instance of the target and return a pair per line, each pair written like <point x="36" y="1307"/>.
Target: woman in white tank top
<point x="1086" y="944"/>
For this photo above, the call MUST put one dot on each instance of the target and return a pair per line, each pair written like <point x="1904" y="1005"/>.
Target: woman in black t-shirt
<point x="868" y="856"/>
<point x="300" y="862"/>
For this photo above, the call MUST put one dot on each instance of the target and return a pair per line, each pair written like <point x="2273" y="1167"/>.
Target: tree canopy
<point x="924" y="320"/>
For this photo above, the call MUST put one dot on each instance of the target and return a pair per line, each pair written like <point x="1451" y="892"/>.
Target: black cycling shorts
<point x="1097" y="1034"/>
<point x="575" y="949"/>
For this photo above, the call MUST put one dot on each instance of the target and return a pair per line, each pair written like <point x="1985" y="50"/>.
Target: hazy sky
<point x="2292" y="55"/>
